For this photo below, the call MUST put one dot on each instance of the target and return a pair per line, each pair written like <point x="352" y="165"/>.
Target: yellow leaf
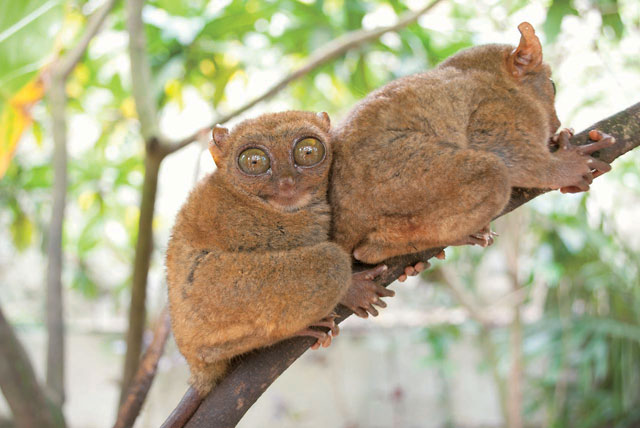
<point x="207" y="67"/>
<point x="73" y="89"/>
<point x="86" y="199"/>
<point x="81" y="73"/>
<point x="128" y="108"/>
<point x="16" y="118"/>
<point x="173" y="89"/>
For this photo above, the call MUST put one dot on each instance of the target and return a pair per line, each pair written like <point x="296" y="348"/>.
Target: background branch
<point x="333" y="50"/>
<point x="146" y="109"/>
<point x="250" y="376"/>
<point x="19" y="385"/>
<point x="60" y="71"/>
<point x="141" y="383"/>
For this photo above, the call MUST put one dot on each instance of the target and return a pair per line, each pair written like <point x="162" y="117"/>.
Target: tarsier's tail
<point x="203" y="379"/>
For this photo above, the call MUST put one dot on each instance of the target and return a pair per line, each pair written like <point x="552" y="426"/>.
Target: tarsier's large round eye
<point x="308" y="152"/>
<point x="254" y="161"/>
<point x="554" y="86"/>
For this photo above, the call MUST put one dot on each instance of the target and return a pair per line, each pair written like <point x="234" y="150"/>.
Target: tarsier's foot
<point x="324" y="338"/>
<point x="483" y="238"/>
<point x="553" y="141"/>
<point x="583" y="167"/>
<point x="413" y="270"/>
<point x="364" y="293"/>
<point x="369" y="253"/>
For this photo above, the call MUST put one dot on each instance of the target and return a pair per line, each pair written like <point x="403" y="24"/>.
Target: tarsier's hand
<point x="364" y="293"/>
<point x="581" y="168"/>
<point x="324" y="338"/>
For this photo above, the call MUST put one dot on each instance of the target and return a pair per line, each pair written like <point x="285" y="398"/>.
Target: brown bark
<point x="252" y="374"/>
<point x="19" y="385"/>
<point x="144" y="248"/>
<point x="54" y="307"/>
<point x="143" y="378"/>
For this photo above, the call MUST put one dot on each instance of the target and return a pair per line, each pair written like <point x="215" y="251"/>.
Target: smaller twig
<point x="67" y="63"/>
<point x="465" y="299"/>
<point x="330" y="52"/>
<point x="143" y="378"/>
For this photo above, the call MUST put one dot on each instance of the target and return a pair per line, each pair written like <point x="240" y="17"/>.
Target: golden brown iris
<point x="254" y="161"/>
<point x="308" y="152"/>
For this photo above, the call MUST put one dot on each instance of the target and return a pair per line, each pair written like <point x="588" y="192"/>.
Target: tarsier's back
<point x="428" y="160"/>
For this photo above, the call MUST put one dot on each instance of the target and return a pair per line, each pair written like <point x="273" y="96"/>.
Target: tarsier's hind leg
<point x="464" y="190"/>
<point x="204" y="376"/>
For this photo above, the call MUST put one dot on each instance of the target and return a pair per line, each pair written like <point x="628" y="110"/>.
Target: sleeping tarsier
<point x="249" y="262"/>
<point x="430" y="159"/>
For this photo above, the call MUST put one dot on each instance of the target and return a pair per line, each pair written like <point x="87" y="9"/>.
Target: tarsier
<point x="249" y="262"/>
<point x="430" y="159"/>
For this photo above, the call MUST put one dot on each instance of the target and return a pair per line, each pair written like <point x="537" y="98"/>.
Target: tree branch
<point x="67" y="63"/>
<point x="20" y="387"/>
<point x="60" y="71"/>
<point x="141" y="72"/>
<point x="250" y="376"/>
<point x="330" y="52"/>
<point x="143" y="379"/>
<point x="146" y="109"/>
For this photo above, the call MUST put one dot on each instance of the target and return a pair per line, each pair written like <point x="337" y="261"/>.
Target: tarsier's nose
<point x="286" y="185"/>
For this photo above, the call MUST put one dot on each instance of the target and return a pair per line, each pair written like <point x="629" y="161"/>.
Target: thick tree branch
<point x="330" y="52"/>
<point x="251" y="375"/>
<point x="143" y="379"/>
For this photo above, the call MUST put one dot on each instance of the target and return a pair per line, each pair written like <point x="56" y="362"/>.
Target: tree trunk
<point x="27" y="401"/>
<point x="54" y="307"/>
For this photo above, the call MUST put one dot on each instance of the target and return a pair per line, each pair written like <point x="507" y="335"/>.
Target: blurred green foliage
<point x="588" y="339"/>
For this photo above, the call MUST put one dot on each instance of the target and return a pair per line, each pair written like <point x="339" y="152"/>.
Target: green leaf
<point x="26" y="30"/>
<point x="556" y="13"/>
<point x="22" y="229"/>
<point x="610" y="11"/>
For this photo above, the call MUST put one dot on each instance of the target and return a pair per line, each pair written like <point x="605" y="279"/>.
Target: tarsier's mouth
<point x="289" y="201"/>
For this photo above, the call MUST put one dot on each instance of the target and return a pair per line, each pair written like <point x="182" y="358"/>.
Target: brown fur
<point x="431" y="158"/>
<point x="246" y="266"/>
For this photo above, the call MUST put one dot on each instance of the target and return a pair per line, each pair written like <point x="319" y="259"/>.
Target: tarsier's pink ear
<point x="325" y="119"/>
<point x="216" y="145"/>
<point x="528" y="55"/>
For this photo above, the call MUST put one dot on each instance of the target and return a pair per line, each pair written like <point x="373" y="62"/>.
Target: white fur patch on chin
<point x="296" y="205"/>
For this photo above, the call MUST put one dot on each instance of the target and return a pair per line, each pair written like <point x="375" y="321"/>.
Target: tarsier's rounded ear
<point x="528" y="55"/>
<point x="216" y="145"/>
<point x="324" y="117"/>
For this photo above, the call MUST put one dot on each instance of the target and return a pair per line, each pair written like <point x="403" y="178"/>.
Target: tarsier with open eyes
<point x="430" y="159"/>
<point x="249" y="262"/>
